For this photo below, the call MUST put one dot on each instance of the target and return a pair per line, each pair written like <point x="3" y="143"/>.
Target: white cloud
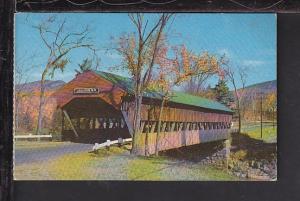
<point x="253" y="63"/>
<point x="267" y="52"/>
<point x="225" y="51"/>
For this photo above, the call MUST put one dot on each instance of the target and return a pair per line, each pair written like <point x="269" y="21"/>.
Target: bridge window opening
<point x="166" y="126"/>
<point x="193" y="126"/>
<point x="206" y="126"/>
<point x="171" y="126"/>
<point x="146" y="128"/>
<point x="175" y="126"/>
<point x="97" y="124"/>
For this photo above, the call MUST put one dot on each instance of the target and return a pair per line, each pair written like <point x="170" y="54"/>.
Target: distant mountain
<point x="255" y="90"/>
<point x="264" y="87"/>
<point x="35" y="86"/>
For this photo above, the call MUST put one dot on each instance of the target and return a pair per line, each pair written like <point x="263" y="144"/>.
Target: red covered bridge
<point x="97" y="106"/>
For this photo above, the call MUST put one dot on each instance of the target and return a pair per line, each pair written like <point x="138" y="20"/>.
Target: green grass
<point x="146" y="168"/>
<point x="269" y="134"/>
<point x="32" y="171"/>
<point x="44" y="131"/>
<point x="118" y="164"/>
<point x="165" y="169"/>
<point x="37" y="144"/>
<point x="76" y="166"/>
<point x="71" y="167"/>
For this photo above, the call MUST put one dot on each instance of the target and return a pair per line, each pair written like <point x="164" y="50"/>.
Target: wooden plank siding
<point x="176" y="139"/>
<point x="172" y="114"/>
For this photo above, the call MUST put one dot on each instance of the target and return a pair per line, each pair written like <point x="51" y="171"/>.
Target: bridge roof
<point x="176" y="97"/>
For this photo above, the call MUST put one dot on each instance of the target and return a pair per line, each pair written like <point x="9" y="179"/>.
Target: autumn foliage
<point x="26" y="110"/>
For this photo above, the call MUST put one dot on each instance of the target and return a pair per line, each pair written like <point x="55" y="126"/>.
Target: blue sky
<point x="248" y="40"/>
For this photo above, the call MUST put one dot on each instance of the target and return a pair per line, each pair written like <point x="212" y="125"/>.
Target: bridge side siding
<point x="171" y="114"/>
<point x="171" y="140"/>
<point x="185" y="115"/>
<point x="217" y="127"/>
<point x="151" y="113"/>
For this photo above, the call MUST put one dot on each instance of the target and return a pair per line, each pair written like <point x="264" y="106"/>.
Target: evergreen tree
<point x="222" y="93"/>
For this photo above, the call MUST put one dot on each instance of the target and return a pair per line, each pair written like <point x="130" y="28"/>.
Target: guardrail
<point x="108" y="143"/>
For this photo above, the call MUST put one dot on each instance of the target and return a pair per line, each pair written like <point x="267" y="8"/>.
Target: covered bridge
<point x="97" y="106"/>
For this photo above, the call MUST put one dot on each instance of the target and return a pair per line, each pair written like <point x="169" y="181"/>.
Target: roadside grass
<point x="37" y="144"/>
<point x="32" y="132"/>
<point x="71" y="167"/>
<point x="269" y="134"/>
<point x="166" y="169"/>
<point x="32" y="171"/>
<point x="117" y="164"/>
<point x="75" y="166"/>
<point x="146" y="168"/>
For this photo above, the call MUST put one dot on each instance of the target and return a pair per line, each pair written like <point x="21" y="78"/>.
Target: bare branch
<point x="41" y="31"/>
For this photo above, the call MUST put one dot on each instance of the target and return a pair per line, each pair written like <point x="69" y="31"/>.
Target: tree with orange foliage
<point x="175" y="71"/>
<point x="140" y="51"/>
<point x="195" y="85"/>
<point x="271" y="105"/>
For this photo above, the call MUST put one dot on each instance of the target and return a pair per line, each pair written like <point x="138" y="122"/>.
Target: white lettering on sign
<point x="86" y="91"/>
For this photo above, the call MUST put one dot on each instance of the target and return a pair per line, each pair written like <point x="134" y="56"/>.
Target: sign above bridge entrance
<point x="86" y="91"/>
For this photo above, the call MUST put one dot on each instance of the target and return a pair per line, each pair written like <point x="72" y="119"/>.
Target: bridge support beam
<point x="227" y="145"/>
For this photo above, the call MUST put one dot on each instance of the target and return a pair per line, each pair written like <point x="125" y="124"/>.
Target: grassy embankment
<point x="269" y="133"/>
<point x="118" y="164"/>
<point x="92" y="166"/>
<point x="30" y="145"/>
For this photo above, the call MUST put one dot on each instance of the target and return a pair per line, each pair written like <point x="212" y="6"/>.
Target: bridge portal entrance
<point x="92" y="120"/>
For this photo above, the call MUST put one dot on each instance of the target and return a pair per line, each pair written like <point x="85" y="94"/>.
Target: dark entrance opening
<point x="94" y="120"/>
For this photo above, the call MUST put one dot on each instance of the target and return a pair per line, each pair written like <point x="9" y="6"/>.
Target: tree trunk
<point x="137" y="120"/>
<point x="240" y="121"/>
<point x="239" y="115"/>
<point x="147" y="141"/>
<point x="17" y="114"/>
<point x="150" y="117"/>
<point x="158" y="127"/>
<point x="42" y="101"/>
<point x="273" y="117"/>
<point x="238" y="105"/>
<point x="147" y="135"/>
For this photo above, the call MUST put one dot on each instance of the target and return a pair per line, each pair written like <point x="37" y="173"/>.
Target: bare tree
<point x="20" y="80"/>
<point x="140" y="51"/>
<point x="233" y="76"/>
<point x="59" y="42"/>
